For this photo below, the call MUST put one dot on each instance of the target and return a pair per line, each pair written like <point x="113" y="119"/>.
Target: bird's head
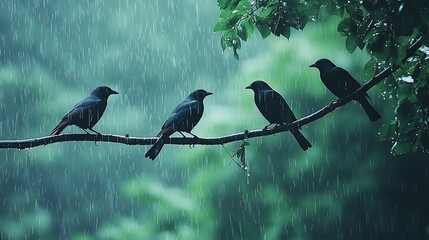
<point x="103" y="92"/>
<point x="258" y="86"/>
<point x="323" y="64"/>
<point x="199" y="94"/>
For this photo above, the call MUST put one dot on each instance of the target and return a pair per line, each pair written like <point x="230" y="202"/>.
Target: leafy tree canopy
<point x="385" y="28"/>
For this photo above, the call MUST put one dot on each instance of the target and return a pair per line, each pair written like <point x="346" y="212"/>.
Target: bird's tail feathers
<point x="369" y="109"/>
<point x="153" y="151"/>
<point x="60" y="127"/>
<point x="302" y="141"/>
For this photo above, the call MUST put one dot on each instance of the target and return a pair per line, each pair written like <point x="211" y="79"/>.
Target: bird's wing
<point x="186" y="104"/>
<point x="352" y="84"/>
<point x="83" y="108"/>
<point x="277" y="108"/>
<point x="340" y="82"/>
<point x="181" y="113"/>
<point x="89" y="103"/>
<point x="81" y="111"/>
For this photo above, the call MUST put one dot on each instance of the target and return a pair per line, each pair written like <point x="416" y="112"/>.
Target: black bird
<point x="87" y="112"/>
<point x="341" y="84"/>
<point x="275" y="109"/>
<point x="183" y="119"/>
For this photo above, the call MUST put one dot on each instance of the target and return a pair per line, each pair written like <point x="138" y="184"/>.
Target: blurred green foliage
<point x="386" y="28"/>
<point x="54" y="53"/>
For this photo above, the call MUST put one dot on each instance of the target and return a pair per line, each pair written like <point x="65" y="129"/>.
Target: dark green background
<point x="154" y="53"/>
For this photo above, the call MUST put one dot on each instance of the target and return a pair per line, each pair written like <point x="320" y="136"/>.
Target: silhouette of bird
<point x="275" y="109"/>
<point x="183" y="119"/>
<point x="87" y="112"/>
<point x="341" y="84"/>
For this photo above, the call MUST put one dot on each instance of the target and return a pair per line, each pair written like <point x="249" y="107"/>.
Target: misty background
<point x="154" y="53"/>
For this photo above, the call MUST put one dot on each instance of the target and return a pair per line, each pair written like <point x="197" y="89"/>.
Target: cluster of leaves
<point x="409" y="130"/>
<point x="239" y="18"/>
<point x="386" y="28"/>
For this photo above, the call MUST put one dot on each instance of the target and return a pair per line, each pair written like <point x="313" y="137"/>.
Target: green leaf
<point x="223" y="43"/>
<point x="227" y="21"/>
<point x="387" y="131"/>
<point x="220" y="26"/>
<point x="369" y="4"/>
<point x="236" y="44"/>
<point x="351" y="43"/>
<point x="377" y="43"/>
<point x="404" y="91"/>
<point x="286" y="33"/>
<point x="370" y="68"/>
<point x="250" y="27"/>
<point x="288" y="17"/>
<point x="365" y="27"/>
<point x="401" y="146"/>
<point x="263" y="29"/>
<point x="242" y="31"/>
<point x="243" y="7"/>
<point x="245" y="30"/>
<point x="405" y="112"/>
<point x="277" y="25"/>
<point x="223" y="3"/>
<point x="233" y="20"/>
<point x="311" y="9"/>
<point x="334" y="9"/>
<point x="230" y="39"/>
<point x="240" y="153"/>
<point x="353" y="9"/>
<point x="345" y="27"/>
<point x="294" y="18"/>
<point x="267" y="11"/>
<point x="417" y="141"/>
<point x="236" y="56"/>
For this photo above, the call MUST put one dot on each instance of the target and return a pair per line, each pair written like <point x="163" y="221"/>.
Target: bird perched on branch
<point x="183" y="119"/>
<point x="342" y="84"/>
<point x="275" y="109"/>
<point x="87" y="112"/>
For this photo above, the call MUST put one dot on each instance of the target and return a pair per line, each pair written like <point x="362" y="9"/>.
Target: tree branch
<point x="29" y="143"/>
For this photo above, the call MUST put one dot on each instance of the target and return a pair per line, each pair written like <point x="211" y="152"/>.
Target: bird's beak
<point x="114" y="92"/>
<point x="313" y="65"/>
<point x="209" y="93"/>
<point x="248" y="87"/>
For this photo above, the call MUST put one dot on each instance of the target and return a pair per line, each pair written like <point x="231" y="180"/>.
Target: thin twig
<point x="232" y="158"/>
